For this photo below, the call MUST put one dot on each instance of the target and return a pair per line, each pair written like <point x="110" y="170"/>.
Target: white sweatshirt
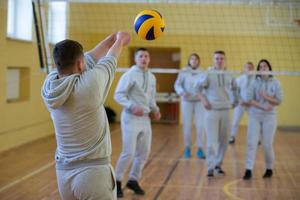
<point x="185" y="83"/>
<point x="76" y="106"/>
<point x="137" y="88"/>
<point x="220" y="89"/>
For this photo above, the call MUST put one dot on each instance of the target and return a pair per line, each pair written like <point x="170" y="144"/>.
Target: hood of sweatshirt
<point x="189" y="69"/>
<point x="56" y="91"/>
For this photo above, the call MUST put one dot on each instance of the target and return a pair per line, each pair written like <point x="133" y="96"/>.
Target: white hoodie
<point x="185" y="83"/>
<point x="137" y="88"/>
<point x="219" y="88"/>
<point x="243" y="83"/>
<point x="76" y="106"/>
<point x="271" y="87"/>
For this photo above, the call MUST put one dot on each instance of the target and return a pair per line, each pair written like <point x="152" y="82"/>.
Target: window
<point x="17" y="84"/>
<point x="57" y="22"/>
<point x="19" y="20"/>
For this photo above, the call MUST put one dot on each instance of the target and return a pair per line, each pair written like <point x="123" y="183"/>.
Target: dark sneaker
<point x="232" y="140"/>
<point x="210" y="173"/>
<point x="200" y="153"/>
<point x="219" y="170"/>
<point x="119" y="190"/>
<point x="248" y="174"/>
<point x="134" y="186"/>
<point x="268" y="173"/>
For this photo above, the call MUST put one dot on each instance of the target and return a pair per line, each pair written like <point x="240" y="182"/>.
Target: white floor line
<point x="37" y="171"/>
<point x="27" y="176"/>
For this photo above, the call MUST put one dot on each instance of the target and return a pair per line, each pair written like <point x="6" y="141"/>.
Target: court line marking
<point x="217" y="188"/>
<point x="228" y="193"/>
<point x="27" y="176"/>
<point x="167" y="179"/>
<point x="33" y="173"/>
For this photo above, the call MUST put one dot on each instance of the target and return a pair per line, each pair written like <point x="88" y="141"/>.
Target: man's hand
<point x="206" y="105"/>
<point x="124" y="37"/>
<point x="263" y="94"/>
<point x="156" y="116"/>
<point x="186" y="95"/>
<point x="138" y="111"/>
<point x="268" y="108"/>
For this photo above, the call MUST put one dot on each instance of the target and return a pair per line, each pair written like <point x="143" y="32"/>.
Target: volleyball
<point x="149" y="24"/>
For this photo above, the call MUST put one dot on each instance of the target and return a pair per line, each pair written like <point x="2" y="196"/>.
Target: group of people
<point x="76" y="90"/>
<point x="208" y="96"/>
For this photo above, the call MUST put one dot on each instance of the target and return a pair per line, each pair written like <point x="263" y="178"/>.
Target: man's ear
<point x="80" y="65"/>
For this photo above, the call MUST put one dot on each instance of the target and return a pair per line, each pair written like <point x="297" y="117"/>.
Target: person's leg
<point x="223" y="138"/>
<point x="199" y="122"/>
<point x="64" y="183"/>
<point x="212" y="123"/>
<point x="237" y="116"/>
<point x="143" y="149"/>
<point x="268" y="133"/>
<point x="94" y="182"/>
<point x="253" y="134"/>
<point x="187" y="112"/>
<point x="129" y="138"/>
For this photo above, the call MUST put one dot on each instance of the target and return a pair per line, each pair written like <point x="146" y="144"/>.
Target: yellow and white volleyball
<point x="149" y="24"/>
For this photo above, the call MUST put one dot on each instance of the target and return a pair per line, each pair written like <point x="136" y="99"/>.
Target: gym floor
<point x="28" y="172"/>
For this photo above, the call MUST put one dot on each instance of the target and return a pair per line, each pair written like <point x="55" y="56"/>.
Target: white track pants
<point x="266" y="125"/>
<point x="136" y="137"/>
<point x="93" y="182"/>
<point x="217" y="125"/>
<point x="193" y="112"/>
<point x="237" y="116"/>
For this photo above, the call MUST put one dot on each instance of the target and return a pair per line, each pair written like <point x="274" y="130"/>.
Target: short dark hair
<point x="219" y="52"/>
<point x="193" y="54"/>
<point x="140" y="49"/>
<point x="249" y="63"/>
<point x="269" y="65"/>
<point x="65" y="54"/>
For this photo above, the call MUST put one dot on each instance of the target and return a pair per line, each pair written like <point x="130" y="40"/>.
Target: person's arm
<point x="122" y="39"/>
<point x="250" y="98"/>
<point x="153" y="106"/>
<point x="202" y="97"/>
<point x="100" y="74"/>
<point x="122" y="90"/>
<point x="256" y="104"/>
<point x="102" y="47"/>
<point x="199" y="87"/>
<point x="235" y="92"/>
<point x="276" y="100"/>
<point x="178" y="86"/>
<point x="121" y="96"/>
<point x="270" y="99"/>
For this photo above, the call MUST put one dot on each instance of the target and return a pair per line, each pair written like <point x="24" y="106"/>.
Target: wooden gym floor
<point x="28" y="173"/>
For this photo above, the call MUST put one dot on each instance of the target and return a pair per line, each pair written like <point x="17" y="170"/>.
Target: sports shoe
<point x="268" y="173"/>
<point x="200" y="153"/>
<point x="187" y="152"/>
<point x="248" y="174"/>
<point x="210" y="173"/>
<point x="219" y="170"/>
<point x="232" y="140"/>
<point x="134" y="186"/>
<point x="119" y="190"/>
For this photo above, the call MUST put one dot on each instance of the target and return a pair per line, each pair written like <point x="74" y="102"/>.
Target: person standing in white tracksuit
<point x="217" y="90"/>
<point x="136" y="92"/>
<point x="192" y="108"/>
<point x="74" y="94"/>
<point x="263" y="95"/>
<point x="243" y="82"/>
